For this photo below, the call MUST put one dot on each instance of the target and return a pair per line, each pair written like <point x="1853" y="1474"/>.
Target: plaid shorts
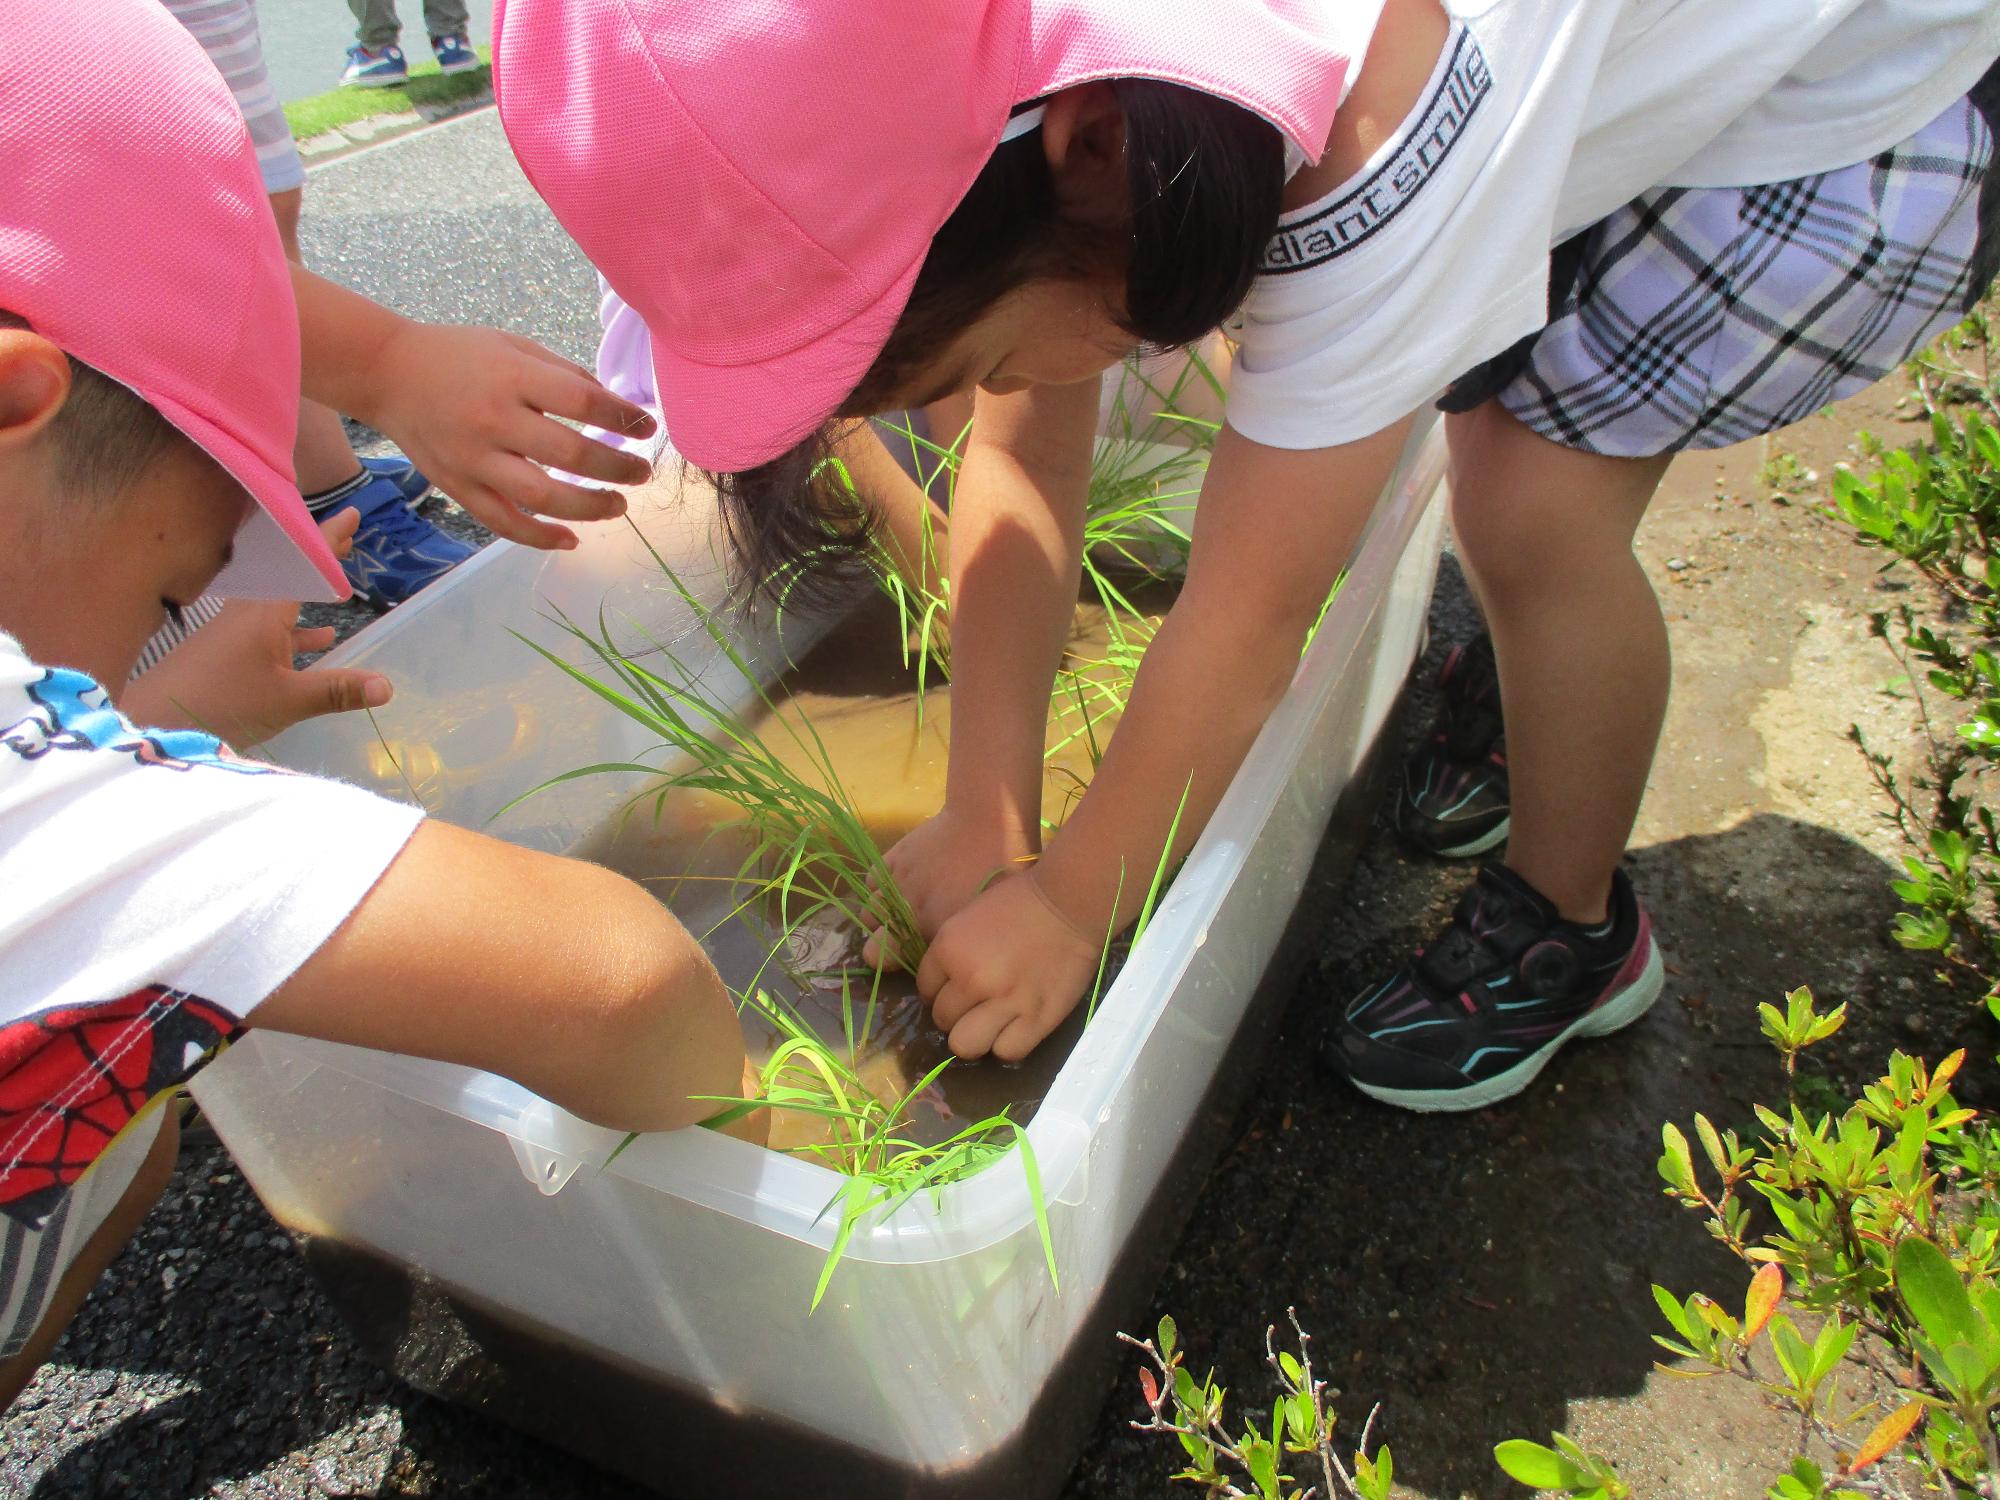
<point x="1698" y="317"/>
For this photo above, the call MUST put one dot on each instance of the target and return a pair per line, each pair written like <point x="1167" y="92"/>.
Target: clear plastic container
<point x="684" y="1267"/>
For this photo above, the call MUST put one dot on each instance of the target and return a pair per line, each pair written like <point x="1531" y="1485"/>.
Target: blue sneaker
<point x="455" y="54"/>
<point x="375" y="68"/>
<point x="396" y="551"/>
<point x="400" y="472"/>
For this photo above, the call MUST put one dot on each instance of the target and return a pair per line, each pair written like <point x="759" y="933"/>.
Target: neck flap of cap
<point x="1285" y="60"/>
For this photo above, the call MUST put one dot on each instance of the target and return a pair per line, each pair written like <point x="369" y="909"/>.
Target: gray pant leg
<point x="376" y="24"/>
<point x="447" y="18"/>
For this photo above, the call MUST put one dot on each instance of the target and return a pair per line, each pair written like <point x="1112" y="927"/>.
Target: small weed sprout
<point x="1302" y="1421"/>
<point x="1784" y="479"/>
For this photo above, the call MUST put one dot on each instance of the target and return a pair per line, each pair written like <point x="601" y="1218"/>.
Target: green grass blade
<point x="1160" y="870"/>
<point x="1033" y="1172"/>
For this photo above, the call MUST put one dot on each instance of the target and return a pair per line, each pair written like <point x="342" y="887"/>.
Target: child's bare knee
<point x="1508" y="540"/>
<point x="110" y="1236"/>
<point x="153" y="1175"/>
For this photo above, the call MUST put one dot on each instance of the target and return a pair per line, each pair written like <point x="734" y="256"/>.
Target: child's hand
<point x="1004" y="972"/>
<point x="942" y="865"/>
<point x="235" y="678"/>
<point x="476" y="410"/>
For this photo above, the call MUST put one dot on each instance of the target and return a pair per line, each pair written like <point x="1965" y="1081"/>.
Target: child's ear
<point x="1083" y="134"/>
<point x="34" y="384"/>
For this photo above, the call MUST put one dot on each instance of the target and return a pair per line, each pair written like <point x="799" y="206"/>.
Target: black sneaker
<point x="1473" y="1018"/>
<point x="1453" y="801"/>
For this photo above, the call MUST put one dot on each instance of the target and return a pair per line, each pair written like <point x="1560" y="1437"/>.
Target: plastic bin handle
<point x="549" y="1144"/>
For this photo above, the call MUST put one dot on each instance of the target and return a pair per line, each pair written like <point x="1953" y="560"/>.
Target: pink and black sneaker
<point x="1474" y="1017"/>
<point x="1454" y="798"/>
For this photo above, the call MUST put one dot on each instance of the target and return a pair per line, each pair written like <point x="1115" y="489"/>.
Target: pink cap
<point x="760" y="179"/>
<point x="135" y="235"/>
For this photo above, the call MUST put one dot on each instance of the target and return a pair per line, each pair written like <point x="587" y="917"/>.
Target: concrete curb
<point x="333" y="144"/>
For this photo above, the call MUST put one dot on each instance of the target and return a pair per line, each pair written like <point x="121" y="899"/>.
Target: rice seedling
<point x="1144" y="478"/>
<point x="1145" y="918"/>
<point x="868" y="1144"/>
<point x="807" y="848"/>
<point x="923" y="609"/>
<point x="1145" y="474"/>
<point x="920" y="587"/>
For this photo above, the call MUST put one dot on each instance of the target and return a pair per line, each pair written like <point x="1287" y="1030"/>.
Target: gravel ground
<point x="1482" y="1276"/>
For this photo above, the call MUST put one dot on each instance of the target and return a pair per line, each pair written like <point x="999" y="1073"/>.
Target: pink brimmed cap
<point x="760" y="179"/>
<point x="135" y="235"/>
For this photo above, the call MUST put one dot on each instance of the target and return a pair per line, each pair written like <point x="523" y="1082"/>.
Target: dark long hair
<point x="1204" y="178"/>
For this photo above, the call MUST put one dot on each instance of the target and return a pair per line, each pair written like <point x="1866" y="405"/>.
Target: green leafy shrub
<point x="1887" y="1232"/>
<point x="1220" y="1462"/>
<point x="1934" y="509"/>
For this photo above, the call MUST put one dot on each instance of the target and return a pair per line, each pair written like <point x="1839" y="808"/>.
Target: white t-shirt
<point x="154" y="888"/>
<point x="1541" y="117"/>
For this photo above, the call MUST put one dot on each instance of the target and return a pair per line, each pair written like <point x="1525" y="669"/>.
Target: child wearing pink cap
<point x="892" y="476"/>
<point x="158" y="892"/>
<point x="1607" y="230"/>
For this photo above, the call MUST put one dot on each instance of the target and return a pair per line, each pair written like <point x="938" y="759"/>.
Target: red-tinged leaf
<point x="1766" y="1287"/>
<point x="1888" y="1432"/>
<point x="1149" y="1386"/>
<point x="1947" y="1070"/>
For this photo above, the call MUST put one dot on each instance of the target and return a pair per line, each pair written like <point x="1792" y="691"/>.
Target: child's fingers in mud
<point x="882" y="954"/>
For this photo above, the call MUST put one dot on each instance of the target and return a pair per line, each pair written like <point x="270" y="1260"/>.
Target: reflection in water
<point x="481" y="728"/>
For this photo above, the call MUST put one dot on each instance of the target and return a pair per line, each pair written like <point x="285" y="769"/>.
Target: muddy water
<point x="887" y="743"/>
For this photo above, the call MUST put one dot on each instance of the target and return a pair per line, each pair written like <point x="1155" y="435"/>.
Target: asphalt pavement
<point x="441" y="225"/>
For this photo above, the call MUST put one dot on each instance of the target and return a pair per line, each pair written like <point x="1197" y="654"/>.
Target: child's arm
<point x="1016" y="561"/>
<point x="558" y="974"/>
<point x="1274" y="529"/>
<point x="911" y="527"/>
<point x="475" y="408"/>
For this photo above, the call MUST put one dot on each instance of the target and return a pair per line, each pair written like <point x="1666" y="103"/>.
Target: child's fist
<point x="1005" y="971"/>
